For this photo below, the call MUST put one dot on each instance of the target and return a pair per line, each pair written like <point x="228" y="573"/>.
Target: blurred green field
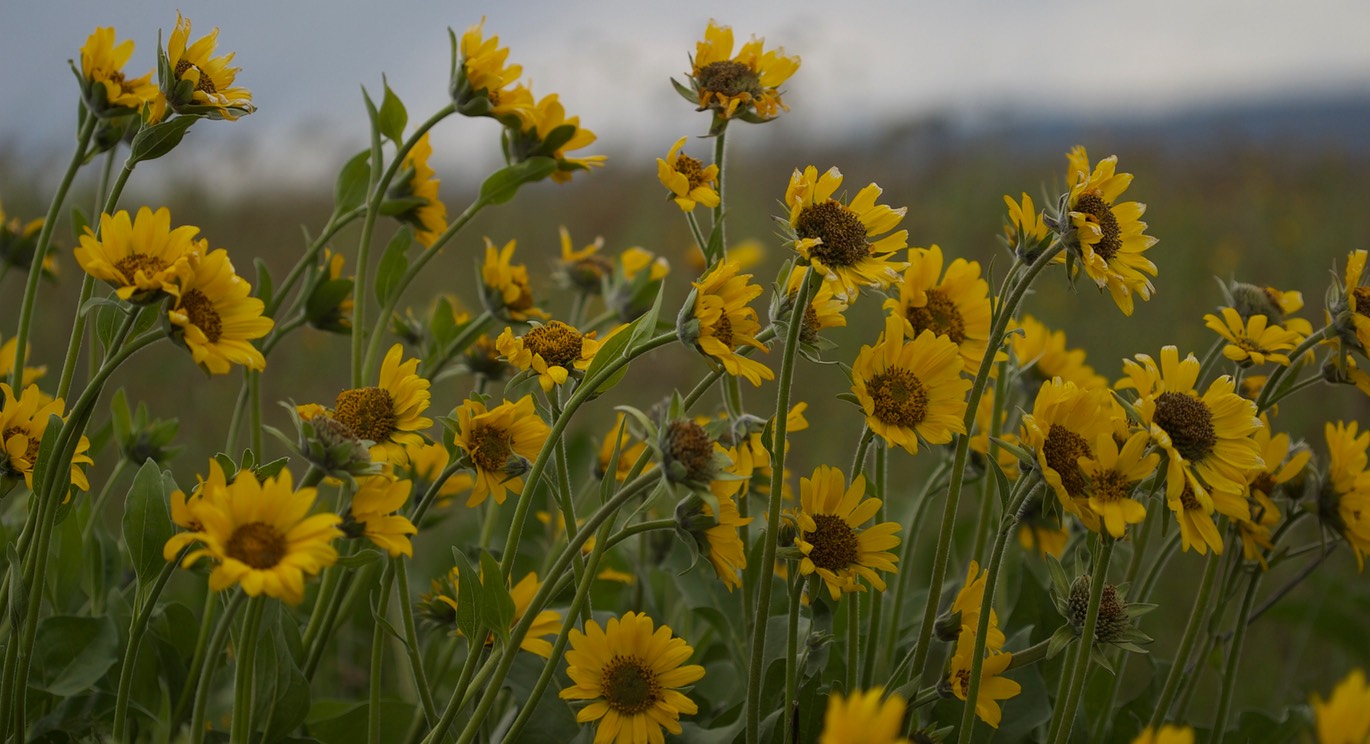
<point x="1262" y="215"/>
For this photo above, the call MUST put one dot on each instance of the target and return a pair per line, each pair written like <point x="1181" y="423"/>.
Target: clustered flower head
<point x="195" y="82"/>
<point x="744" y="86"/>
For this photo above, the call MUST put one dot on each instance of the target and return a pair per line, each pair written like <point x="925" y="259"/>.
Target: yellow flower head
<point x="1344" y="718"/>
<point x="390" y="414"/>
<point x="1253" y="340"/>
<point x="634" y="261"/>
<point x="501" y="442"/>
<point x="747" y="85"/>
<point x="689" y="181"/>
<point x="484" y="85"/>
<point x="506" y="284"/>
<point x="630" y="671"/>
<point x="968" y="605"/>
<point x="419" y="184"/>
<point x="1357" y="298"/>
<point x="1207" y="439"/>
<point x="747" y="254"/>
<point x="1344" y="500"/>
<point x="584" y="269"/>
<point x="1044" y="353"/>
<point x="993" y="687"/>
<point x="863" y="717"/>
<point x="911" y="390"/>
<point x="1065" y="425"/>
<point x="719" y="540"/>
<point x="1198" y="531"/>
<point x="107" y="91"/>
<point x="1040" y="533"/>
<point x="142" y="258"/>
<point x="629" y="450"/>
<point x="956" y="307"/>
<point x="216" y="318"/>
<point x="828" y="521"/>
<point x="1111" y="236"/>
<point x="9" y="351"/>
<point x="1168" y="734"/>
<point x="551" y="350"/>
<point x="1112" y="475"/>
<point x="193" y="81"/>
<point x="726" y="322"/>
<point x="23" y="423"/>
<point x="260" y="536"/>
<point x="373" y="514"/>
<point x="547" y="623"/>
<point x="836" y="238"/>
<point x="825" y="310"/>
<point x="1026" y="230"/>
<point x="552" y="134"/>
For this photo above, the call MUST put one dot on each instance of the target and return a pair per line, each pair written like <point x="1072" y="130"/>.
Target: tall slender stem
<point x="763" y="601"/>
<point x="411" y="642"/>
<point x="246" y="657"/>
<point x="910" y="534"/>
<point x="792" y="651"/>
<point x="1263" y="401"/>
<point x="373" y="707"/>
<point x="40" y="251"/>
<point x="1077" y="678"/>
<point x="136" y="630"/>
<point x="720" y="154"/>
<point x="215" y="650"/>
<point x="877" y="601"/>
<point x="197" y="661"/>
<point x="1191" y="632"/>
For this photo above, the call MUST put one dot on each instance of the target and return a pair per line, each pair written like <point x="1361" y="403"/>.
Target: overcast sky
<point x="865" y="63"/>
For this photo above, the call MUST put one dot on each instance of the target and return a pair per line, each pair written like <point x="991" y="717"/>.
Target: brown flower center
<point x="723" y="330"/>
<point x="1362" y="295"/>
<point x="257" y="544"/>
<point x="524" y="301"/>
<point x="1188" y="422"/>
<point x="729" y="78"/>
<point x="369" y="412"/>
<point x="691" y="446"/>
<point x="1188" y="500"/>
<point x="1063" y="448"/>
<point x="629" y="685"/>
<point x="483" y="358"/>
<point x="130" y="265"/>
<point x="900" y="398"/>
<point x="586" y="273"/>
<point x="490" y="447"/>
<point x="834" y="543"/>
<point x="1112" y="240"/>
<point x="557" y="343"/>
<point x="30" y="451"/>
<point x="843" y="236"/>
<point x="1264" y="483"/>
<point x="809" y="333"/>
<point x="692" y="170"/>
<point x="1110" y="486"/>
<point x="205" y="85"/>
<point x="200" y="310"/>
<point x="940" y="315"/>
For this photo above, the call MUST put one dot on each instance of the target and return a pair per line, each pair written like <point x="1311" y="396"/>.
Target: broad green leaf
<point x="282" y="693"/>
<point x="147" y="522"/>
<point x="157" y="140"/>
<point x="496" y="605"/>
<point x="393" y="264"/>
<point x="265" y="287"/>
<point x="46" y="451"/>
<point x="392" y="116"/>
<point x="121" y="416"/>
<point x="469" y="620"/>
<point x="71" y="654"/>
<point x="501" y="186"/>
<point x="354" y="180"/>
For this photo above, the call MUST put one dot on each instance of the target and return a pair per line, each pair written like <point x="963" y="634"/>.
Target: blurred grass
<point x="1266" y="216"/>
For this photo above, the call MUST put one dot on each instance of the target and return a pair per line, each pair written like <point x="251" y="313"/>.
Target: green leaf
<point x="338" y="722"/>
<point x="469" y="620"/>
<point x="393" y="264"/>
<point x="46" y="449"/>
<point x="265" y="288"/>
<point x="18" y="592"/>
<point x="282" y="693"/>
<point x="496" y="605"/>
<point x="617" y="346"/>
<point x="354" y="180"/>
<point x="79" y="222"/>
<point x="71" y="654"/>
<point x="157" y="140"/>
<point x="326" y="297"/>
<point x="120" y="415"/>
<point x="359" y="558"/>
<point x="714" y="249"/>
<point x="501" y="186"/>
<point x="1001" y="482"/>
<point x="392" y="116"/>
<point x="147" y="522"/>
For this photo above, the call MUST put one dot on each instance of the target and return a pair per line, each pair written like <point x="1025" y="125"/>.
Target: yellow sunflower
<point x="107" y="91"/>
<point x="1207" y="439"/>
<point x="1253" y="340"/>
<point x="584" y="269"/>
<point x="864" y="717"/>
<point x="1065" y="424"/>
<point x="690" y="181"/>
<point x="23" y="423"/>
<point x="969" y="603"/>
<point x="506" y="284"/>
<point x="1255" y="532"/>
<point x="482" y="84"/>
<point x="1344" y="718"/>
<point x="636" y="260"/>
<point x="373" y="514"/>
<point x="824" y="310"/>
<point x="993" y="687"/>
<point x="260" y="536"/>
<point x="501" y="443"/>
<point x="629" y="450"/>
<point x="746" y="85"/>
<point x="956" y="307"/>
<point x="417" y="188"/>
<point x="912" y="390"/>
<point x="1112" y="474"/>
<point x="1197" y="528"/>
<point x="835" y="238"/>
<point x="631" y="672"/>
<point x="19" y="242"/>
<point x="828" y="521"/>
<point x="142" y="258"/>
<point x="1043" y="353"/>
<point x="1344" y="499"/>
<point x="9" y="351"/>
<point x="1283" y="460"/>
<point x="547" y="623"/>
<point x="549" y="116"/>
<point x="552" y="350"/>
<point x="193" y="81"/>
<point x="726" y="322"/>
<point x="216" y="318"/>
<point x="389" y="414"/>
<point x="1026" y="230"/>
<point x="1167" y="734"/>
<point x="1357" y="298"/>
<point x="1111" y="236"/>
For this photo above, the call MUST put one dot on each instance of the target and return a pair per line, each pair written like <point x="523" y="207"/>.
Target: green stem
<point x="1210" y="359"/>
<point x="763" y="601"/>
<point x="1234" y="657"/>
<point x="792" y="651"/>
<point x="40" y="251"/>
<point x="215" y="650"/>
<point x="245" y="654"/>
<point x="720" y="159"/>
<point x="1082" y="661"/>
<point x="197" y="661"/>
<point x="1025" y="489"/>
<point x="583" y="393"/>
<point x="853" y="602"/>
<point x="877" y="600"/>
<point x="254" y="407"/>
<point x="1263" y="401"/>
<point x="1303" y="384"/>
<point x="858" y="461"/>
<point x="1068" y="658"/>
<point x="380" y="183"/>
<point x="565" y="498"/>
<point x="334" y="225"/>
<point x="461" y="342"/>
<point x="411" y="638"/>
<point x="136" y="629"/>
<point x="905" y="559"/>
<point x="958" y="468"/>
<point x="373" y="707"/>
<point x="458" y="700"/>
<point x="982" y="525"/>
<point x="698" y="234"/>
<point x="1033" y="654"/>
<point x="1191" y="631"/>
<point x="98" y="506"/>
